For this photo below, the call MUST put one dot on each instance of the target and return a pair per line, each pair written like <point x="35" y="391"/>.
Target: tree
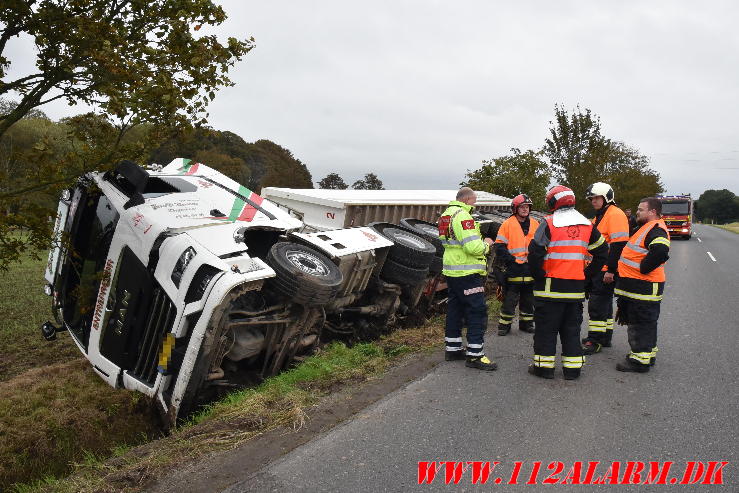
<point x="138" y="63"/>
<point x="720" y="206"/>
<point x="577" y="151"/>
<point x="333" y="181"/>
<point x="510" y="175"/>
<point x="580" y="155"/>
<point x="629" y="174"/>
<point x="136" y="60"/>
<point x="369" y="182"/>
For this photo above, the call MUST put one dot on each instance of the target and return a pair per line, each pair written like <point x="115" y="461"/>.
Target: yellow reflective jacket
<point x="464" y="249"/>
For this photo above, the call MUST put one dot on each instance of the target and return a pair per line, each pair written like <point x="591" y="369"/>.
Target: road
<point x="685" y="409"/>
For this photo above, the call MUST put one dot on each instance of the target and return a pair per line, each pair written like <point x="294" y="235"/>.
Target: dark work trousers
<point x="600" y="310"/>
<point x="552" y="318"/>
<point x="466" y="307"/>
<point x="641" y="319"/>
<point x="521" y="294"/>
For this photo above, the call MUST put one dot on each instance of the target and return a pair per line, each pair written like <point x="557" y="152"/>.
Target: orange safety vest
<point x="613" y="226"/>
<point x="635" y="251"/>
<point x="567" y="251"/>
<point x="511" y="234"/>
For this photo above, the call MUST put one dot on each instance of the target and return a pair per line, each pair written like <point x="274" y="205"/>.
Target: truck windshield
<point x="93" y="221"/>
<point x="676" y="208"/>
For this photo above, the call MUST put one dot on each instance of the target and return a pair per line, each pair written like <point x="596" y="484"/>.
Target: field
<point x="54" y="411"/>
<point x="733" y="227"/>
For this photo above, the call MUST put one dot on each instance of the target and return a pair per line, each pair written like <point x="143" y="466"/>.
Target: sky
<point x="419" y="92"/>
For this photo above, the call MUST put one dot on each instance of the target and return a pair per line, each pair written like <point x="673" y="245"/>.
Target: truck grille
<point x="159" y="322"/>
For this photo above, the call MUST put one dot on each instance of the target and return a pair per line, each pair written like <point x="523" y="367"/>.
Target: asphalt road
<point x="685" y="409"/>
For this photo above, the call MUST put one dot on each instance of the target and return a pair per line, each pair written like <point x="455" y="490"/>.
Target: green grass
<point x="23" y="308"/>
<point x="53" y="408"/>
<point x="733" y="227"/>
<point x="280" y="401"/>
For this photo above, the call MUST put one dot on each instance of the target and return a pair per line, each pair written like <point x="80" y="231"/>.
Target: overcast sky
<point x="420" y="91"/>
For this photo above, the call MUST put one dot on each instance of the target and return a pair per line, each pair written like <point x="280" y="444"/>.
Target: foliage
<point x="137" y="62"/>
<point x="511" y="175"/>
<point x="255" y="165"/>
<point x="333" y="181"/>
<point x="577" y="151"/>
<point x="720" y="206"/>
<point x="282" y="168"/>
<point x="369" y="182"/>
<point x="629" y="174"/>
<point x="579" y="155"/>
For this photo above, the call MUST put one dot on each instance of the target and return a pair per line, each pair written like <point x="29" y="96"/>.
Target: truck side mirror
<point x="137" y="178"/>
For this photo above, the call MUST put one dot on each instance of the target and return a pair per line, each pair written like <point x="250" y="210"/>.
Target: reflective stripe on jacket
<point x="635" y="251"/>
<point x="567" y="251"/>
<point x="511" y="234"/>
<point x="614" y="226"/>
<point x="632" y="283"/>
<point x="464" y="249"/>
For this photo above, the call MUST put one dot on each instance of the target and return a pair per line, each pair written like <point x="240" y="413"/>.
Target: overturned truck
<point x="180" y="283"/>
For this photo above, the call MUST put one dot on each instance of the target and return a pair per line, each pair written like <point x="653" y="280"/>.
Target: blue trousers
<point x="466" y="308"/>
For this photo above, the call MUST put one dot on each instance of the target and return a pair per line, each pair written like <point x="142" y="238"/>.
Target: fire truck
<point x="677" y="212"/>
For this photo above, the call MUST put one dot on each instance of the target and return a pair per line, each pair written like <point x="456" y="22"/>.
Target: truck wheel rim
<point x="310" y="264"/>
<point x="409" y="240"/>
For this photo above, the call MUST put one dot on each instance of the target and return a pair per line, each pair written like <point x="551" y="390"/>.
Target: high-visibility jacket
<point x="517" y="244"/>
<point x="614" y="226"/>
<point x="464" y="249"/>
<point x="564" y="261"/>
<point x="634" y="284"/>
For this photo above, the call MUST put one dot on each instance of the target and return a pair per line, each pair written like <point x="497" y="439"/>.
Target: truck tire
<point x="397" y="273"/>
<point x="429" y="232"/>
<point x="410" y="249"/>
<point x="304" y="275"/>
<point x="436" y="265"/>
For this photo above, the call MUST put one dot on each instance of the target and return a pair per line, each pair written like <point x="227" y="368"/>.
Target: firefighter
<point x="614" y="226"/>
<point x="641" y="283"/>
<point x="632" y="221"/>
<point x="557" y="260"/>
<point x="465" y="269"/>
<point x="512" y="247"/>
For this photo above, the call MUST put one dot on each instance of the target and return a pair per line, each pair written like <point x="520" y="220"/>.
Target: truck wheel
<point x="398" y="273"/>
<point x="304" y="275"/>
<point x="429" y="232"/>
<point x="409" y="249"/>
<point x="436" y="265"/>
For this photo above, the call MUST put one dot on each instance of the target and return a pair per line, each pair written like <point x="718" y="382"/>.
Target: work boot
<point x="538" y="371"/>
<point x="504" y="329"/>
<point x="454" y="355"/>
<point x="630" y="365"/>
<point x="571" y="373"/>
<point x="481" y="363"/>
<point x="526" y="327"/>
<point x="589" y="346"/>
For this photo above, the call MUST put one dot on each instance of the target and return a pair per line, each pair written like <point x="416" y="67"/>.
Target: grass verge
<point x="733" y="227"/>
<point x="23" y="308"/>
<point x="280" y="401"/>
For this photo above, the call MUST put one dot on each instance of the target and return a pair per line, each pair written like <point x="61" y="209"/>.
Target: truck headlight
<point x="181" y="265"/>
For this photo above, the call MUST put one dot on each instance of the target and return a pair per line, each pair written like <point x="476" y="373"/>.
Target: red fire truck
<point x="677" y="212"/>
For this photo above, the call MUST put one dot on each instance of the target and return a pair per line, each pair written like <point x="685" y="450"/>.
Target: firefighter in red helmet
<point x="557" y="259"/>
<point x="512" y="247"/>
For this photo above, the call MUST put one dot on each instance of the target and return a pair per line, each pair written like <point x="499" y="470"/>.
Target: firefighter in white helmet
<point x="613" y="224"/>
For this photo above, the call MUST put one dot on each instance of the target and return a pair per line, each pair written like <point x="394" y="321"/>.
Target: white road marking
<point x="699" y="240"/>
<point x="709" y="254"/>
